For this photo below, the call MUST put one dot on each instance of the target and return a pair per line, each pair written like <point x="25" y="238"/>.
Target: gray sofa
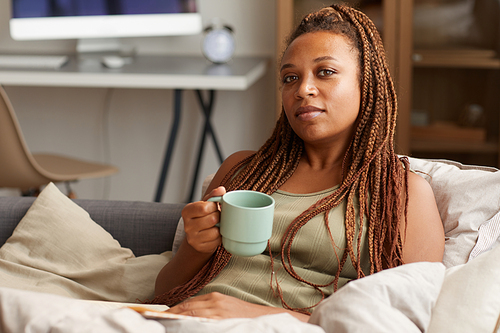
<point x="144" y="227"/>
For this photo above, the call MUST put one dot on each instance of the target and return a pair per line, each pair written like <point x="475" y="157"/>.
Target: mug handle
<point x="216" y="199"/>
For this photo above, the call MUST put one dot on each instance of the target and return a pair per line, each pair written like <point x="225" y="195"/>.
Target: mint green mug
<point x="246" y="221"/>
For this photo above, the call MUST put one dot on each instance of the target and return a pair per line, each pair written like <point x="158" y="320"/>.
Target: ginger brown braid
<point x="372" y="172"/>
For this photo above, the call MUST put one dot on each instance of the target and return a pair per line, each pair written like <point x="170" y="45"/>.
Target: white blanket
<point x="395" y="300"/>
<point x="418" y="297"/>
<point x="27" y="311"/>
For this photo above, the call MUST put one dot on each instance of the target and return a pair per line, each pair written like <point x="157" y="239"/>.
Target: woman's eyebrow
<point x="285" y="66"/>
<point x="325" y="58"/>
<point x="319" y="59"/>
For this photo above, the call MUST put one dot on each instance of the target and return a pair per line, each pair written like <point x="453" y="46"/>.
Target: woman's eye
<point x="289" y="78"/>
<point x="325" y="72"/>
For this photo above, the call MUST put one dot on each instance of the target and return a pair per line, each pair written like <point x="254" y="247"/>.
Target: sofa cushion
<point x="57" y="248"/>
<point x="467" y="197"/>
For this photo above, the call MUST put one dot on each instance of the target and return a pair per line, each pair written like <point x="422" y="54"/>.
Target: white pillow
<point x="489" y="236"/>
<point x="57" y="248"/>
<point x="179" y="236"/>
<point x="466" y="196"/>
<point x="469" y="300"/>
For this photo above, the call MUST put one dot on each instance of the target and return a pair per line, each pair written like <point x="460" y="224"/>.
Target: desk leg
<point x="170" y="144"/>
<point x="207" y="108"/>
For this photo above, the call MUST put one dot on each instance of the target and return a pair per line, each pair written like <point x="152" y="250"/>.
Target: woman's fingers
<point x="216" y="192"/>
<point x="199" y="224"/>
<point x="218" y="306"/>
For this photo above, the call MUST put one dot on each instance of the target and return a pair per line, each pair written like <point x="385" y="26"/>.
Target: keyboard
<point x="33" y="61"/>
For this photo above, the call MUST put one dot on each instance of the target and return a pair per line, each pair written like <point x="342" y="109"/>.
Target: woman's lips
<point x="305" y="113"/>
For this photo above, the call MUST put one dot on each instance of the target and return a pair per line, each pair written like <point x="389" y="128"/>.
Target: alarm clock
<point x="218" y="43"/>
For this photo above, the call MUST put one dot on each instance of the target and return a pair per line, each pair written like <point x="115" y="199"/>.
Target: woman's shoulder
<point x="420" y="191"/>
<point x="227" y="165"/>
<point x="424" y="238"/>
<point x="237" y="157"/>
<point x="419" y="185"/>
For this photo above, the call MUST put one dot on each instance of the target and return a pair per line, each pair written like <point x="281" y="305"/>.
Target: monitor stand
<point x="103" y="45"/>
<point x="106" y="52"/>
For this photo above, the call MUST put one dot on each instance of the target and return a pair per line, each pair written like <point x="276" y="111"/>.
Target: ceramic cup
<point x="246" y="221"/>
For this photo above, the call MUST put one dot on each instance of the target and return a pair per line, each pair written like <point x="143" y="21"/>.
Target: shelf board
<point x="448" y="131"/>
<point x="456" y="58"/>
<point x="454" y="147"/>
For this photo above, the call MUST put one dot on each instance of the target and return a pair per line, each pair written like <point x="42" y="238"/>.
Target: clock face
<point x="218" y="45"/>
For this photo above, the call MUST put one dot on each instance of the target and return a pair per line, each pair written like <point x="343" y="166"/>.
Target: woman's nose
<point x="307" y="88"/>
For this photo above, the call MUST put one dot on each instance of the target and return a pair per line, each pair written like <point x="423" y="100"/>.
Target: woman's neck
<point x="314" y="175"/>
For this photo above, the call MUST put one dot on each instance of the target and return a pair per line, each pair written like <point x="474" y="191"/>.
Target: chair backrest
<point x="18" y="168"/>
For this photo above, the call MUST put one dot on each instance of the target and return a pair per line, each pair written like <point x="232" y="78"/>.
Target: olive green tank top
<point x="314" y="258"/>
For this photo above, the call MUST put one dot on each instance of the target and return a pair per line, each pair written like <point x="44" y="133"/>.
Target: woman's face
<point x="320" y="87"/>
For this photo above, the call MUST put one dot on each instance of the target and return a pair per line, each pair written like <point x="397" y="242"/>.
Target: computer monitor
<point x="93" y="20"/>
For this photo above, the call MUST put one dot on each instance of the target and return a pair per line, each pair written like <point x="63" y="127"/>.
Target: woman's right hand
<point x="202" y="236"/>
<point x="200" y="219"/>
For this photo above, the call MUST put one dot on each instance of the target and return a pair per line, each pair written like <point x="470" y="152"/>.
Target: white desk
<point x="153" y="72"/>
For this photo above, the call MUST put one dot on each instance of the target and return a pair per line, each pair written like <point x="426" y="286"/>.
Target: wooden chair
<point x="28" y="172"/>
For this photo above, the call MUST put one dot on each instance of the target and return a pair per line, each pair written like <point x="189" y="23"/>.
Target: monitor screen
<point x="82" y="19"/>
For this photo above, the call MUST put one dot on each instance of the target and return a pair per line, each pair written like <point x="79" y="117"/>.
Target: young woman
<point x="346" y="204"/>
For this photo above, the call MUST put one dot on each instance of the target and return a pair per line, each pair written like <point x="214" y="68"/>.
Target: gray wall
<point x="132" y="132"/>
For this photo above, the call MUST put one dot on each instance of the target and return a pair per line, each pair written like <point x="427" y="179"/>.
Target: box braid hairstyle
<point x="372" y="171"/>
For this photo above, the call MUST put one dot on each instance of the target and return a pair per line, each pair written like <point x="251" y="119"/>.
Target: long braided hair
<point x="372" y="172"/>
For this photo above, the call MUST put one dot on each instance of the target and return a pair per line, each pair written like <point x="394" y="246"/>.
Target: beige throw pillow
<point x="57" y="248"/>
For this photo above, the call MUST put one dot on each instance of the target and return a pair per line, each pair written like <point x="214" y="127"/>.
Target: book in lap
<point x="150" y="311"/>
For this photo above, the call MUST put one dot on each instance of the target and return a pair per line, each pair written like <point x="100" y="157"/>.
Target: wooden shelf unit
<point x="454" y="147"/>
<point x="456" y="58"/>
<point x="451" y="74"/>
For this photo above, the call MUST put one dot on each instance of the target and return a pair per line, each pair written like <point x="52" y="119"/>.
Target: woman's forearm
<point x="186" y="263"/>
